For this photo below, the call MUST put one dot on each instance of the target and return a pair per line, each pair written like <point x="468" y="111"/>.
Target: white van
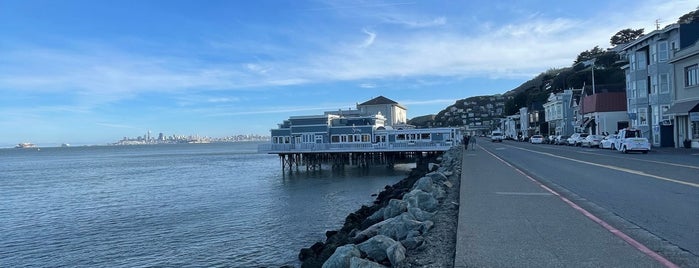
<point x="496" y="136"/>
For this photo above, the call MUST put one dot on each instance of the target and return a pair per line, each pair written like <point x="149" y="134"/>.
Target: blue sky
<point x="92" y="72"/>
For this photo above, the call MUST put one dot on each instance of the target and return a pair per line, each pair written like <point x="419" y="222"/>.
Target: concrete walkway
<point x="508" y="220"/>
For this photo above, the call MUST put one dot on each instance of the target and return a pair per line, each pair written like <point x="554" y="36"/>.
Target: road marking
<point x="662" y="260"/>
<point x="649" y="161"/>
<point x="522" y="193"/>
<point x="641" y="173"/>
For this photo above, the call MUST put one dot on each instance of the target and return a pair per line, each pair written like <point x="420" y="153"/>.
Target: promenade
<point x="507" y="219"/>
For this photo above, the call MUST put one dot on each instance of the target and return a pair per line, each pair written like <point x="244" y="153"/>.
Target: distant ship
<point x="65" y="145"/>
<point x="25" y="145"/>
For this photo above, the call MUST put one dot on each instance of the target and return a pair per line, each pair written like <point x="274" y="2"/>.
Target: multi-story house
<point x="559" y="114"/>
<point x="685" y="108"/>
<point x="649" y="79"/>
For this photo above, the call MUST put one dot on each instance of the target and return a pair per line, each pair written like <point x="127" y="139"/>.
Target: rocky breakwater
<point x="410" y="224"/>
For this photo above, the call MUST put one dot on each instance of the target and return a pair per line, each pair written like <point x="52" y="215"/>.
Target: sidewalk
<point x="507" y="220"/>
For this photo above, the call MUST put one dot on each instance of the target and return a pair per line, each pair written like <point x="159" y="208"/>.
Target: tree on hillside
<point x="689" y="17"/>
<point x="589" y="54"/>
<point x="624" y="36"/>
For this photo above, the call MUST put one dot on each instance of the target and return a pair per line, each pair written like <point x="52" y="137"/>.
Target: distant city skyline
<point x="92" y="72"/>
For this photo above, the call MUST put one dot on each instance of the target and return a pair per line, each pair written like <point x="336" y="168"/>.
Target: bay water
<point x="183" y="205"/>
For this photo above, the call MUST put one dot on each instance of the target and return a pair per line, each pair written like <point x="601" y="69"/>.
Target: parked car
<point x="496" y="136"/>
<point x="591" y="141"/>
<point x="631" y="140"/>
<point x="536" y="139"/>
<point x="561" y="140"/>
<point x="576" y="139"/>
<point x="608" y="142"/>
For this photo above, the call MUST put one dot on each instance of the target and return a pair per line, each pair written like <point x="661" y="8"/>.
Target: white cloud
<point x="367" y="85"/>
<point x="371" y="36"/>
<point x="518" y="49"/>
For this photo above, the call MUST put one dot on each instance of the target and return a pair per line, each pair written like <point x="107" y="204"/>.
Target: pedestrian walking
<point x="472" y="140"/>
<point x="466" y="141"/>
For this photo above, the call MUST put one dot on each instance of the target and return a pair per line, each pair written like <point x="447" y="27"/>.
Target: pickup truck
<point x="631" y="140"/>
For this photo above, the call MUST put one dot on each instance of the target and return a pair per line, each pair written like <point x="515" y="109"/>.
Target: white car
<point x="631" y="140"/>
<point x="608" y="142"/>
<point x="536" y="139"/>
<point x="591" y="141"/>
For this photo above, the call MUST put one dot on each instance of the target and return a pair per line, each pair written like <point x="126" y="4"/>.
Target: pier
<point x="313" y="156"/>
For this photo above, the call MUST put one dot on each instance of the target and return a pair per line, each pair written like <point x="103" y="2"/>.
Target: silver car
<point x="591" y="141"/>
<point x="608" y="142"/>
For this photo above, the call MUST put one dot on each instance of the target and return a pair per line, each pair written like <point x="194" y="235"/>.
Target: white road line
<point x="522" y="193"/>
<point x="649" y="161"/>
<point x="641" y="173"/>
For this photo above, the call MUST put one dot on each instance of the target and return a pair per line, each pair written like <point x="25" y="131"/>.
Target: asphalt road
<point x="654" y="197"/>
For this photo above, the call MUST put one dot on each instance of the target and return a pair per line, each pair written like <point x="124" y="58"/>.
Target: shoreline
<point x="436" y="238"/>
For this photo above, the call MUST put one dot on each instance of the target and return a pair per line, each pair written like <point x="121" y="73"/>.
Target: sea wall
<point x="395" y="230"/>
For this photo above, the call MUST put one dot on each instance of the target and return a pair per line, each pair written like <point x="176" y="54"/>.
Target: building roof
<point x="380" y="100"/>
<point x="604" y="102"/>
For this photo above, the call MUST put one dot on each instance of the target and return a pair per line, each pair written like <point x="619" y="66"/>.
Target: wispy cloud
<point x="110" y="125"/>
<point x="518" y="49"/>
<point x="439" y="21"/>
<point x="369" y="40"/>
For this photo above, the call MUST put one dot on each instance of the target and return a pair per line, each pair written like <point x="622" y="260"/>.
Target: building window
<point x="653" y="85"/>
<point x="642" y="116"/>
<point x="632" y="61"/>
<point x="663" y="109"/>
<point x="664" y="83"/>
<point x="641" y="60"/>
<point x="641" y="88"/>
<point x="366" y="138"/>
<point x="656" y="115"/>
<point x="335" y="138"/>
<point x="691" y="75"/>
<point x="663" y="54"/>
<point x="695" y="130"/>
<point x="653" y="55"/>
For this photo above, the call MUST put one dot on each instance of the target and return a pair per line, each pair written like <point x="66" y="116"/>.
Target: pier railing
<point x="277" y="148"/>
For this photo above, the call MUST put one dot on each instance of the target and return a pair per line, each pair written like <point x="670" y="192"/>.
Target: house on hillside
<point x="649" y="74"/>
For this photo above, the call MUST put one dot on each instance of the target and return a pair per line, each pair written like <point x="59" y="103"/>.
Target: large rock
<point x="425" y="184"/>
<point x="422" y="200"/>
<point x="394" y="208"/>
<point x="399" y="227"/>
<point x="396" y="254"/>
<point x="362" y="263"/>
<point x="437" y="177"/>
<point x="420" y="215"/>
<point x="413" y="240"/>
<point x="377" y="246"/>
<point x="341" y="257"/>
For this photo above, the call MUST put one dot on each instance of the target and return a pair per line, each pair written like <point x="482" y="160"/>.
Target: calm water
<point x="190" y="205"/>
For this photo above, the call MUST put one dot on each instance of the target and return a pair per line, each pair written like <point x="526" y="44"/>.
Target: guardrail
<point x="274" y="148"/>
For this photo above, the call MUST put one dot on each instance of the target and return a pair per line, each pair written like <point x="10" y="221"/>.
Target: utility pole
<point x="593" y="76"/>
